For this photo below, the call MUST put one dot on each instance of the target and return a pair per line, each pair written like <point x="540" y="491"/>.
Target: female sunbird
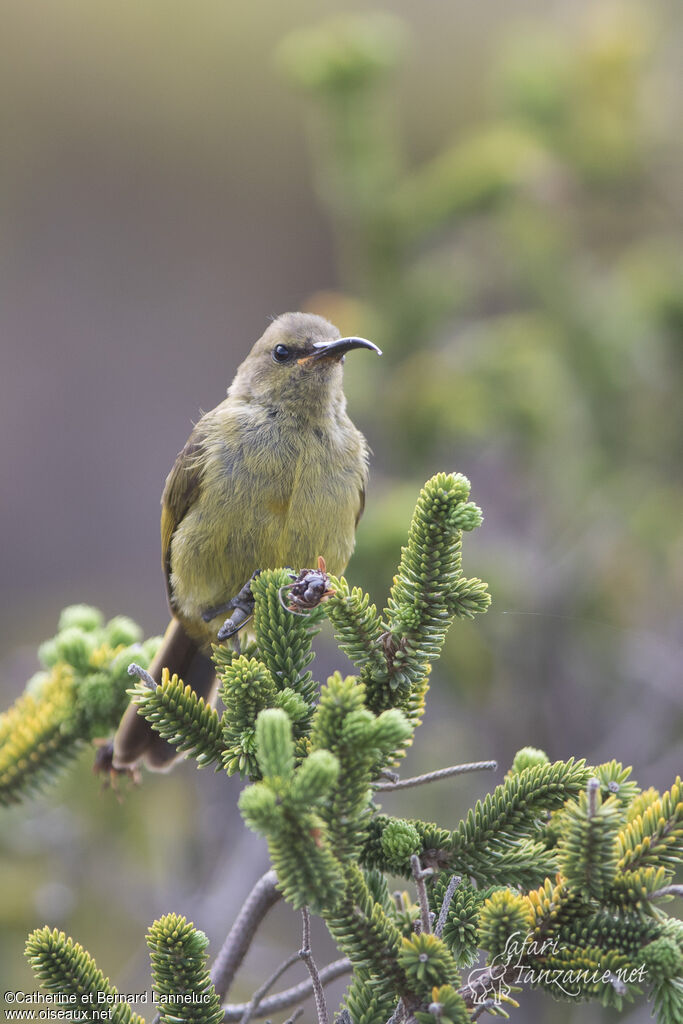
<point x="274" y="476"/>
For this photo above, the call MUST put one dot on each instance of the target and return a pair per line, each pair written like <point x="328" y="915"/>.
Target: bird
<point x="273" y="477"/>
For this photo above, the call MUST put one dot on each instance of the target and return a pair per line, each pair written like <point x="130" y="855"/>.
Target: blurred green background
<point x="492" y="193"/>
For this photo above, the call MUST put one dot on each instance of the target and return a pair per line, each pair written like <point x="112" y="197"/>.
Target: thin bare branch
<point x="307" y="957"/>
<point x="476" y="993"/>
<point x="441" y="773"/>
<point x="419" y="874"/>
<point x="453" y="884"/>
<point x="667" y="890"/>
<point x="398" y="1014"/>
<point x="289" y="996"/>
<point x="260" y="992"/>
<point x="143" y="675"/>
<point x="488" y="1004"/>
<point x="262" y="897"/>
<point x="295" y="1016"/>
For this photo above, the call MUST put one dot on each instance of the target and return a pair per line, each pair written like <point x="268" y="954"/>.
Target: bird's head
<point x="296" y="365"/>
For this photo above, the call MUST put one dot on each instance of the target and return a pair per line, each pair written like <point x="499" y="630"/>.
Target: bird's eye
<point x="281" y="353"/>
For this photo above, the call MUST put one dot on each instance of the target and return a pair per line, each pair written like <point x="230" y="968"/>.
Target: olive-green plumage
<point x="273" y="476"/>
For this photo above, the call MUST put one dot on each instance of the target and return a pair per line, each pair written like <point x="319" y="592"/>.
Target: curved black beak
<point x="336" y="349"/>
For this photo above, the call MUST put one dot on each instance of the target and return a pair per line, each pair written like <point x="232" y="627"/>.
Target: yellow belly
<point x="265" y="513"/>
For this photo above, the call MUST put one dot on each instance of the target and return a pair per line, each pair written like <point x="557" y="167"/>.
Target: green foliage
<point x="400" y="840"/>
<point x="365" y="932"/>
<point x="527" y="757"/>
<point x="365" y="1004"/>
<point x="614" y="781"/>
<point x="33" y="744"/>
<point x="344" y="55"/>
<point x="66" y="969"/>
<point x="80" y="695"/>
<point x="181" y="717"/>
<point x="284" y="640"/>
<point x="663" y="959"/>
<point x="178" y="953"/>
<point x="427" y="962"/>
<point x="587" y="850"/>
<point x="655" y="836"/>
<point x="446" y="1007"/>
<point x="509" y="814"/>
<point x="419" y="611"/>
<point x="504" y="913"/>
<point x="462" y="920"/>
<point x="343" y="725"/>
<point x="496" y="844"/>
<point x="562" y="863"/>
<point x="287" y="808"/>
<point x="274" y="745"/>
<point x="247" y="687"/>
<point x="594" y="932"/>
<point x="357" y="626"/>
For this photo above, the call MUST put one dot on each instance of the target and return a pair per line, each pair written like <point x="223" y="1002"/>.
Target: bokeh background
<point x="489" y="191"/>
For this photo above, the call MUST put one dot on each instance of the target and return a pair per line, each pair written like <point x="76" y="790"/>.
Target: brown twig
<point x="307" y="957"/>
<point x="441" y="773"/>
<point x="143" y="675"/>
<point x="667" y="890"/>
<point x="295" y="1016"/>
<point x="262" y="897"/>
<point x="261" y="991"/>
<point x="419" y="874"/>
<point x="478" y="992"/>
<point x="289" y="996"/>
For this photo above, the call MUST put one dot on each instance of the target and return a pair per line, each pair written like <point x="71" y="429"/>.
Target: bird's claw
<point x="242" y="607"/>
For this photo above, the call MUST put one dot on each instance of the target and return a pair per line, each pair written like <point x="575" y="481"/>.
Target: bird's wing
<point x="361" y="503"/>
<point x="180" y="493"/>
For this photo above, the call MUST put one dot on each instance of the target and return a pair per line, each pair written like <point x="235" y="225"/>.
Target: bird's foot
<point x="242" y="608"/>
<point x="103" y="765"/>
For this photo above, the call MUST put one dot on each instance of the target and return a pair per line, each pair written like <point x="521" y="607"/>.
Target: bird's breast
<point x="273" y="495"/>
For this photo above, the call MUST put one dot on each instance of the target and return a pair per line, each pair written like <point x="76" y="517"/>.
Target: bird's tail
<point x="135" y="739"/>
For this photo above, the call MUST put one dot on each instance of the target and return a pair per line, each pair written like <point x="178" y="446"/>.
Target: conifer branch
<point x="667" y="890"/>
<point x="419" y="613"/>
<point x="656" y="835"/>
<point x="286" y="807"/>
<point x="358" y="739"/>
<point x="178" y="953"/>
<point x="35" y="745"/>
<point x="364" y="933"/>
<point x="65" y="968"/>
<point x="357" y="627"/>
<point x="560" y="853"/>
<point x="247" y="688"/>
<point x="79" y="695"/>
<point x="181" y="717"/>
<point x="587" y="849"/>
<point x="284" y="640"/>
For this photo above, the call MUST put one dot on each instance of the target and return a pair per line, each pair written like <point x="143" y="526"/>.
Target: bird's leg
<point x="218" y="609"/>
<point x="242" y="608"/>
<point x="104" y="766"/>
